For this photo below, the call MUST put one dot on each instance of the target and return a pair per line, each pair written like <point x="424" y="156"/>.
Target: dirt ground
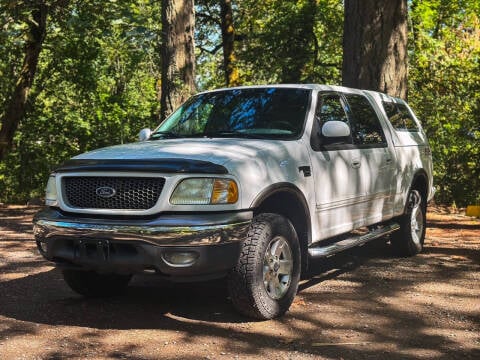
<point x="361" y="304"/>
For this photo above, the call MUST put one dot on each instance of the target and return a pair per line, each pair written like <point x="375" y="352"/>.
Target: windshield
<point x="276" y="113"/>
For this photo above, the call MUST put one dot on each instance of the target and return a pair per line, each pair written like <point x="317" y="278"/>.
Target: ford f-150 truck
<point x="247" y="183"/>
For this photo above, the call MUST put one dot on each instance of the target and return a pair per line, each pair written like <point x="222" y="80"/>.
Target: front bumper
<point x="117" y="245"/>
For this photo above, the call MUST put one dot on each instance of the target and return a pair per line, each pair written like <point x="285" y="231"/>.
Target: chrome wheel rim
<point x="416" y="217"/>
<point x="277" y="267"/>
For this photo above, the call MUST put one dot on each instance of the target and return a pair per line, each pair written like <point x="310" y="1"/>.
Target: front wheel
<point x="265" y="280"/>
<point x="408" y="241"/>
<point x="93" y="284"/>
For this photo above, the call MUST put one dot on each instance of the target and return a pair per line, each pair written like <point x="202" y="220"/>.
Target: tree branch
<point x="213" y="51"/>
<point x="208" y="17"/>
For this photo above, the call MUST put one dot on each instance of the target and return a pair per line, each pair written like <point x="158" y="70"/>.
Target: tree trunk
<point x="17" y="104"/>
<point x="178" y="56"/>
<point x="375" y="46"/>
<point x="228" y="39"/>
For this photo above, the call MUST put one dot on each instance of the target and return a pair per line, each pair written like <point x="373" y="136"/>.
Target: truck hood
<point x="218" y="151"/>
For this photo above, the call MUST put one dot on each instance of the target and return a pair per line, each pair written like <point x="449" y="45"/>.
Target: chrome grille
<point x="129" y="193"/>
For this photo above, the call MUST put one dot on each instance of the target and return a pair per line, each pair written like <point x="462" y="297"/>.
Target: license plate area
<point x="91" y="249"/>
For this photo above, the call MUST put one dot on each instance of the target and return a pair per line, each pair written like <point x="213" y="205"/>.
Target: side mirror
<point x="335" y="129"/>
<point x="144" y="134"/>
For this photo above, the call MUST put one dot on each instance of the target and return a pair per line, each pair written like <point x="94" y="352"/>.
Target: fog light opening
<point x="180" y="258"/>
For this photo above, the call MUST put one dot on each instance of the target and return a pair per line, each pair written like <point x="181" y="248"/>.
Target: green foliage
<point x="98" y="77"/>
<point x="96" y="85"/>
<point x="277" y="41"/>
<point x="444" y="89"/>
<point x="291" y="41"/>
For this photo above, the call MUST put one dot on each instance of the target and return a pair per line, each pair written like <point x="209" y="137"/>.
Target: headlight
<point x="51" y="192"/>
<point x="204" y="191"/>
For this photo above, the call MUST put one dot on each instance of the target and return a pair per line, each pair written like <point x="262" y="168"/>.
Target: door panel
<point x="379" y="177"/>
<point x="337" y="165"/>
<point x="377" y="158"/>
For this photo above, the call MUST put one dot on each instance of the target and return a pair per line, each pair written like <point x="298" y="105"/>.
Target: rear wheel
<point x="93" y="284"/>
<point x="408" y="241"/>
<point x="265" y="280"/>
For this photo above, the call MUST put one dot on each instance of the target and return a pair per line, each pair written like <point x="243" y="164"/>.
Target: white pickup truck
<point x="247" y="183"/>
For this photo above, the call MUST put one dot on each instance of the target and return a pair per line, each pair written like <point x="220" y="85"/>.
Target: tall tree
<point x="228" y="41"/>
<point x="375" y="46"/>
<point x="302" y="36"/>
<point x="36" y="21"/>
<point x="178" y="56"/>
<point x="215" y="30"/>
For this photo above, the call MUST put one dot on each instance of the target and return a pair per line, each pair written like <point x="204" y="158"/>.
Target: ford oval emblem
<point x="105" y="191"/>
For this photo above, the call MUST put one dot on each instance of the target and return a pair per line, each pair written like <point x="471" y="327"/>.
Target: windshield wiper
<point x="211" y="134"/>
<point x="164" y="135"/>
<point x="232" y="133"/>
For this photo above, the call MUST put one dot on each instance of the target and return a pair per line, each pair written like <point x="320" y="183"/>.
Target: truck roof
<point x="319" y="87"/>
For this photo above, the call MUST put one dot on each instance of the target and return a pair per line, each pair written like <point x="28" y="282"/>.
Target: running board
<point x="319" y="252"/>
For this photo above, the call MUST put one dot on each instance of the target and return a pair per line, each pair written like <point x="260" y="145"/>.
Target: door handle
<point x="356" y="164"/>
<point x="388" y="161"/>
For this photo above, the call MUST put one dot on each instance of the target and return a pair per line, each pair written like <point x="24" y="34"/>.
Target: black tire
<point x="265" y="280"/>
<point x="408" y="241"/>
<point x="93" y="284"/>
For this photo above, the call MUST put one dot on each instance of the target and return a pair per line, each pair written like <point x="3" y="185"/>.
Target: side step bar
<point x="319" y="252"/>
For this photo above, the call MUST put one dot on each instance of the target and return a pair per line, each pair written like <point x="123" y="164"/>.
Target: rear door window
<point x="365" y="124"/>
<point x="400" y="116"/>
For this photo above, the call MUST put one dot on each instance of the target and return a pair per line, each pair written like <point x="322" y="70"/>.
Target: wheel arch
<point x="288" y="200"/>
<point x="419" y="182"/>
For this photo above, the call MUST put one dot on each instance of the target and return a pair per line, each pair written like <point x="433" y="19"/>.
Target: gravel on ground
<point x="361" y="304"/>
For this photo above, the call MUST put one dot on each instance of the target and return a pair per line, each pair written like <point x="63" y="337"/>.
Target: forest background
<point x="98" y="78"/>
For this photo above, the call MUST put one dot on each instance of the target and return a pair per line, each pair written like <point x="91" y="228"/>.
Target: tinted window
<point x="365" y="125"/>
<point x="400" y="116"/>
<point x="391" y="110"/>
<point x="253" y="112"/>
